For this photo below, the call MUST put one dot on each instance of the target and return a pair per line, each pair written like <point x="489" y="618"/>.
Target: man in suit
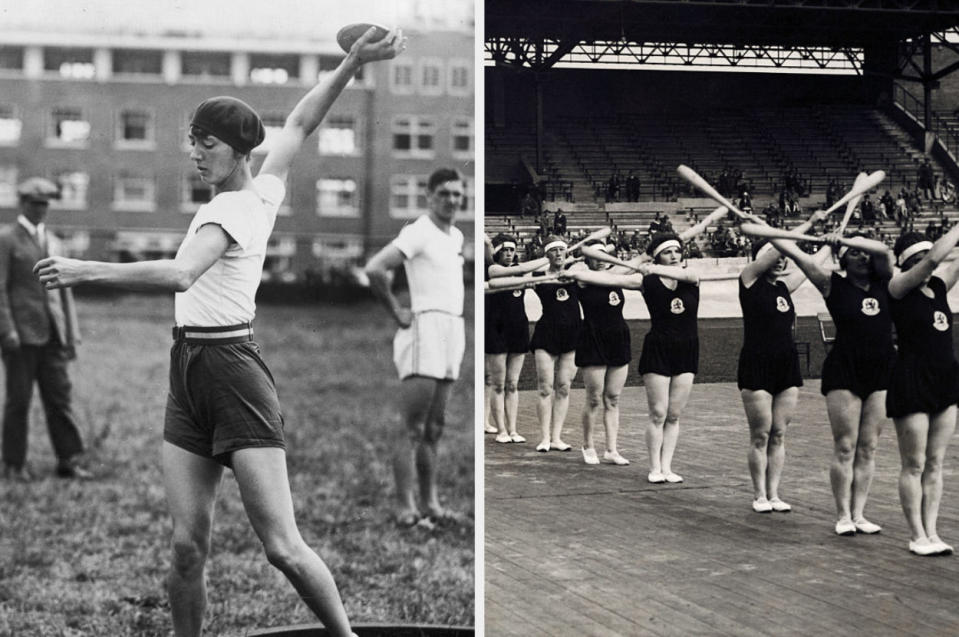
<point x="38" y="337"/>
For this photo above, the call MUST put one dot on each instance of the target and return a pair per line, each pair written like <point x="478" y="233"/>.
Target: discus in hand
<point x="348" y="35"/>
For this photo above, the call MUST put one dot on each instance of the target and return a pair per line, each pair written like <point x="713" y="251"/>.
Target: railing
<point x="914" y="108"/>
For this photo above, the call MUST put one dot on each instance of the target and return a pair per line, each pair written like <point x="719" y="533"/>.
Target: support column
<point x="539" y="124"/>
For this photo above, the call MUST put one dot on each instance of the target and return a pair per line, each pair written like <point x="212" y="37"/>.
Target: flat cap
<point x="231" y="120"/>
<point x="38" y="189"/>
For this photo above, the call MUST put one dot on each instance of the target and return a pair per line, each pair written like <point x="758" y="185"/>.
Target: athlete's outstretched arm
<point x="794" y="279"/>
<point x="904" y="282"/>
<point x="170" y="275"/>
<point x="675" y="272"/>
<point x="812" y="266"/>
<point x="497" y="270"/>
<point x="607" y="279"/>
<point x="313" y="107"/>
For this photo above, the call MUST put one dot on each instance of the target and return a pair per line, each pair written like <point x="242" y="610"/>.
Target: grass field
<point x="90" y="559"/>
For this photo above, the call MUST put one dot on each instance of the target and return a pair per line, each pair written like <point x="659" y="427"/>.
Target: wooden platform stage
<point x="572" y="549"/>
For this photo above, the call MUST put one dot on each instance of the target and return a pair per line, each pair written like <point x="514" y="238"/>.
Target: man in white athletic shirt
<point x="428" y="347"/>
<point x="222" y="409"/>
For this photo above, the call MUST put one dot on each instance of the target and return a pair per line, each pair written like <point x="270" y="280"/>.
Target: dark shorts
<point x="606" y="347"/>
<point x="222" y="398"/>
<point x="555" y="338"/>
<point x="506" y="338"/>
<point x="915" y="387"/>
<point x="860" y="374"/>
<point x="669" y="356"/>
<point x="771" y="371"/>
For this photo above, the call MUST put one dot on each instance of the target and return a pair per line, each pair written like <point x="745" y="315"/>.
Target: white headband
<point x="668" y="243"/>
<point x="559" y="243"/>
<point x="913" y="249"/>
<point x="505" y="244"/>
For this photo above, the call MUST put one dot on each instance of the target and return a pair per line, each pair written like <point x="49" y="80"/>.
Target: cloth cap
<point x="38" y="189"/>
<point x="231" y="120"/>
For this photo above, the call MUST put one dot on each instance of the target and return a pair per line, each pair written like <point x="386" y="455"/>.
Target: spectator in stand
<point x="867" y="209"/>
<point x="925" y="181"/>
<point x="745" y="202"/>
<point x="559" y="222"/>
<point x="889" y="204"/>
<point x="632" y="186"/>
<point x="612" y="187"/>
<point x="914" y="201"/>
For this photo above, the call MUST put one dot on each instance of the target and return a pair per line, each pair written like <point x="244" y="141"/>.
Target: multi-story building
<point x="106" y="117"/>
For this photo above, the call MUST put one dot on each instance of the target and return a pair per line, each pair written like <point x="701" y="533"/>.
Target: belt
<point x="217" y="335"/>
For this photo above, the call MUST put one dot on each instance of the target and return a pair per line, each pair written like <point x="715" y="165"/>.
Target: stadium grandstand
<point x="592" y="104"/>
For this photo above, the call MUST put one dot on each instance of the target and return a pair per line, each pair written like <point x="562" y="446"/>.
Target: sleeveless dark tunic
<point x="768" y="359"/>
<point x="671" y="346"/>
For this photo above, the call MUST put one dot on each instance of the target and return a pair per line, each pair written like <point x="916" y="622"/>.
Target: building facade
<point x="106" y="117"/>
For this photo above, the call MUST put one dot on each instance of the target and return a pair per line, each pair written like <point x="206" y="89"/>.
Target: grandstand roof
<point x="840" y="23"/>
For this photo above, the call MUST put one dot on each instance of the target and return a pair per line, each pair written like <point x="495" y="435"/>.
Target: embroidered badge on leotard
<point x="939" y="321"/>
<point x="614" y="299"/>
<point x="562" y="294"/>
<point x="870" y="306"/>
<point x="782" y="304"/>
<point x="676" y="306"/>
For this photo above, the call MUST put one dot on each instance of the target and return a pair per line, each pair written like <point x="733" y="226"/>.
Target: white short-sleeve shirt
<point x="224" y="294"/>
<point x="434" y="266"/>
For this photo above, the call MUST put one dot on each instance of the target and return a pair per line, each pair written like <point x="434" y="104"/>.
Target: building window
<point x="8" y="186"/>
<point x="134" y="193"/>
<point x="135" y="129"/>
<point x="133" y="62"/>
<point x="339" y="136"/>
<point x="73" y="190"/>
<point x="203" y="65"/>
<point x="11" y="58"/>
<point x="10" y="126"/>
<point x="461" y="138"/>
<point x="336" y="256"/>
<point x="272" y="125"/>
<point x="459" y="78"/>
<point x="408" y="196"/>
<point x="337" y="198"/>
<point x="68" y="127"/>
<point x="431" y="76"/>
<point x="196" y="192"/>
<point x="401" y="77"/>
<point x="274" y="69"/>
<point x="413" y="137"/>
<point x="68" y="63"/>
<point x="278" y="264"/>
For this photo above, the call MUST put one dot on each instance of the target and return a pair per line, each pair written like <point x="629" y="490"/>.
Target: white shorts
<point x="432" y="346"/>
